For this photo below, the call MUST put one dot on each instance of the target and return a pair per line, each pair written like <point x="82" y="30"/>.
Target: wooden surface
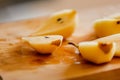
<point x="20" y="62"/>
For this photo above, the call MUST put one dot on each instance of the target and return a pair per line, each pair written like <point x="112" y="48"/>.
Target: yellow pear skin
<point x="60" y="23"/>
<point x="44" y="44"/>
<point x="96" y="52"/>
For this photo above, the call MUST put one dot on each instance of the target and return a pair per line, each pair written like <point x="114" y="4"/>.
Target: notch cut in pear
<point x="105" y="47"/>
<point x="112" y="38"/>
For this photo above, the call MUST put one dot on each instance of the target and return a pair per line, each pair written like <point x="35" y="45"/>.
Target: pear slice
<point x="44" y="44"/>
<point x="61" y="23"/>
<point x="106" y="27"/>
<point x="112" y="38"/>
<point x="97" y="52"/>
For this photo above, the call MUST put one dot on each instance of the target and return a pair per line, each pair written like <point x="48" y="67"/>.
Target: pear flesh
<point x="106" y="27"/>
<point x="96" y="52"/>
<point x="44" y="44"/>
<point x="60" y="23"/>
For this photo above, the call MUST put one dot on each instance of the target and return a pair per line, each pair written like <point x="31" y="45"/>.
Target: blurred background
<point x="12" y="10"/>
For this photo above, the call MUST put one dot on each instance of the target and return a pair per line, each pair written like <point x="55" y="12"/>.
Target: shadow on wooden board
<point x="108" y="75"/>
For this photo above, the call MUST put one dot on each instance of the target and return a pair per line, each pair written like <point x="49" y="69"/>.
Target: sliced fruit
<point x="106" y="27"/>
<point x="44" y="44"/>
<point x="61" y="23"/>
<point x="112" y="38"/>
<point x="97" y="52"/>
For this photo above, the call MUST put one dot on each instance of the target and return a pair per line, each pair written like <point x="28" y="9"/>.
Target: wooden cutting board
<point x="21" y="62"/>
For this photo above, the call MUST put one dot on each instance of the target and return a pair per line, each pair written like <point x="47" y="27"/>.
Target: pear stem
<point x="71" y="43"/>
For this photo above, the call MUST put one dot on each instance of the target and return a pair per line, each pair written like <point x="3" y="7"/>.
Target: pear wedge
<point x="106" y="27"/>
<point x="97" y="52"/>
<point x="60" y="23"/>
<point x="44" y="44"/>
